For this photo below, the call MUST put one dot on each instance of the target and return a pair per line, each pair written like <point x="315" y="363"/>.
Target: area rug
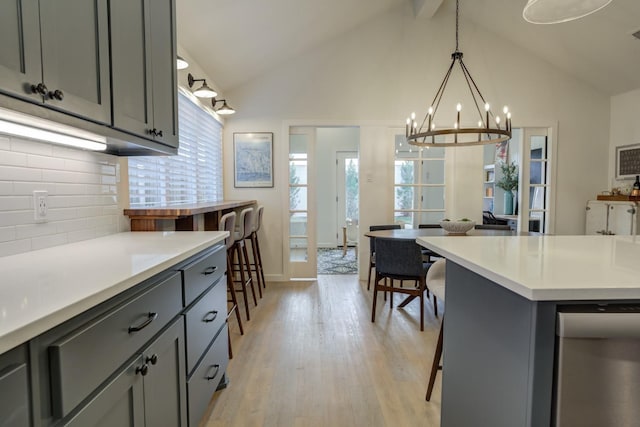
<point x="330" y="261"/>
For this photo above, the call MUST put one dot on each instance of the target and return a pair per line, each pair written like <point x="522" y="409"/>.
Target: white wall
<point x="328" y="142"/>
<point x="83" y="195"/>
<point x="375" y="75"/>
<point x="625" y="130"/>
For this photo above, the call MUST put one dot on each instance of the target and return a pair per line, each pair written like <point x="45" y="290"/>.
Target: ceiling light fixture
<point x="181" y="63"/>
<point x="17" y="124"/>
<point x="487" y="131"/>
<point x="557" y="11"/>
<point x="204" y="91"/>
<point x="225" y="109"/>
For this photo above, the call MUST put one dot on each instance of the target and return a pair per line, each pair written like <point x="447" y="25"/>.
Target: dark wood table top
<point x="413" y="233"/>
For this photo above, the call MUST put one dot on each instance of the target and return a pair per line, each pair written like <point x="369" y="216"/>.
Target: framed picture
<point x="627" y="161"/>
<point x="253" y="159"/>
<point x="501" y="151"/>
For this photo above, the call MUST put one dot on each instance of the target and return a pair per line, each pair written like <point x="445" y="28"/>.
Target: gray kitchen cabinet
<point x="143" y="68"/>
<point x="20" y="61"/>
<point x="15" y="406"/>
<point x="149" y="391"/>
<point x="57" y="52"/>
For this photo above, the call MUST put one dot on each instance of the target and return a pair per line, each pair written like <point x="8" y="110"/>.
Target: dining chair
<point x="492" y="227"/>
<point x="428" y="253"/>
<point x="436" y="282"/>
<point x="400" y="259"/>
<point x="372" y="247"/>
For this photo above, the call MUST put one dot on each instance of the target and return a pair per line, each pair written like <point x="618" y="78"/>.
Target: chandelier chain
<point x="457" y="13"/>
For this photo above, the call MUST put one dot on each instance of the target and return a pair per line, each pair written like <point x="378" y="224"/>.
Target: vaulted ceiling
<point x="236" y="40"/>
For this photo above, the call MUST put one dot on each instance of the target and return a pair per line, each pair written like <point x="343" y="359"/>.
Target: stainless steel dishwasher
<point x="598" y="366"/>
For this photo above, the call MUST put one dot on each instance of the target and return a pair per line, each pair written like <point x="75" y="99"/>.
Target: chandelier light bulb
<point x="509" y="115"/>
<point x="505" y="109"/>
<point x="486" y="106"/>
<point x="459" y="107"/>
<point x="413" y="116"/>
<point x="430" y="111"/>
<point x="479" y="123"/>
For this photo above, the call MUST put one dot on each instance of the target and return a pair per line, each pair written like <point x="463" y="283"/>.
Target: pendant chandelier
<point x="487" y="130"/>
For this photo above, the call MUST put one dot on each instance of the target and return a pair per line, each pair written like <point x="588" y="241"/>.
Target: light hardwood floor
<point x="310" y="356"/>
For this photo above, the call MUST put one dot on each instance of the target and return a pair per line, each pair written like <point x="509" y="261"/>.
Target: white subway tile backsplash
<point x="13" y="159"/>
<point x="48" y="241"/>
<point x="5" y="143"/>
<point x="11" y="173"/>
<point x="7" y="234"/>
<point x="32" y="147"/>
<point x="35" y="230"/>
<point x="83" y="196"/>
<point x="6" y="188"/>
<point x="45" y="162"/>
<point x="15" y="203"/>
<point x="15" y="247"/>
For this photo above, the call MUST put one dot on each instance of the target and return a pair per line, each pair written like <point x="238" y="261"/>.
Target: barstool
<point x="228" y="223"/>
<point x="257" y="256"/>
<point x="436" y="282"/>
<point x="240" y="250"/>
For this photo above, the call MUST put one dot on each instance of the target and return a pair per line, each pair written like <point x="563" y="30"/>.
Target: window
<point x="539" y="183"/>
<point x="419" y="184"/>
<point x="194" y="175"/>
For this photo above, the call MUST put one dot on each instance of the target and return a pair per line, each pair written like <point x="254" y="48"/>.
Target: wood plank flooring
<point x="310" y="356"/>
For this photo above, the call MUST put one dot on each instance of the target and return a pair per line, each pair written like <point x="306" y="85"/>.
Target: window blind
<point x="193" y="176"/>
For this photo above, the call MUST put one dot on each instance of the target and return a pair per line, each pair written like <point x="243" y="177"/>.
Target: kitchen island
<point x="502" y="298"/>
<point x="114" y="330"/>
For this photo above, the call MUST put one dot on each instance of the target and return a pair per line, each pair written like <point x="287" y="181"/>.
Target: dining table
<point x="414" y="233"/>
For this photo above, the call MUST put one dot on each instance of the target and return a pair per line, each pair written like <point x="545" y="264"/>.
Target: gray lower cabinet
<point x="143" y="68"/>
<point x="15" y="407"/>
<point x="149" y="391"/>
<point x="141" y="358"/>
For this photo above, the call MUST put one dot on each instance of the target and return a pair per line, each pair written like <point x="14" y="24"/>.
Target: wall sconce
<point x="204" y="91"/>
<point x="225" y="109"/>
<point x="181" y="63"/>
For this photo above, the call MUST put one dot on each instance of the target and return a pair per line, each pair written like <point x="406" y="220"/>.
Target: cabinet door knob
<point x="159" y="133"/>
<point x="142" y="370"/>
<point x="150" y="318"/>
<point x="215" y="372"/>
<point x="56" y="94"/>
<point x="40" y="88"/>
<point x="153" y="359"/>
<point x="210" y="316"/>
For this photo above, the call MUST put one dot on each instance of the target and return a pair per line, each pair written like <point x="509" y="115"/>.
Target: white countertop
<point x="550" y="268"/>
<point x="44" y="288"/>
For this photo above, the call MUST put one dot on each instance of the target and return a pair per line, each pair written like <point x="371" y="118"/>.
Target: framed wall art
<point x="627" y="161"/>
<point x="253" y="159"/>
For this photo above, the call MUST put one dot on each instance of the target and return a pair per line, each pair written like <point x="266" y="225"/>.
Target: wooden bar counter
<point x="184" y="216"/>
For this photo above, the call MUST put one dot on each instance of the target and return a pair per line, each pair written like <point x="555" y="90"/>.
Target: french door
<point x="302" y="197"/>
<point x="346" y="191"/>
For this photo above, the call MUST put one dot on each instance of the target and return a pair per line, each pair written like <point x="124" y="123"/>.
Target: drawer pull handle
<point x="153" y="359"/>
<point x="151" y="317"/>
<point x="143" y="370"/>
<point x="209" y="378"/>
<point x="208" y="319"/>
<point x="210" y="270"/>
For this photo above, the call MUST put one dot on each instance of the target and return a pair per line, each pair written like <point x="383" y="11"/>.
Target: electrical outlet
<point x="40" y="205"/>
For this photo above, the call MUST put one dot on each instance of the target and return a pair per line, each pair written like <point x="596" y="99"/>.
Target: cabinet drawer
<point x="202" y="273"/>
<point x="204" y="320"/>
<point x="14" y="389"/>
<point x="83" y="359"/>
<point x="206" y="377"/>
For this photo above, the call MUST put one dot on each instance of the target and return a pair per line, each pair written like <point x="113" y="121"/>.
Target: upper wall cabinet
<point x="143" y="68"/>
<point x="57" y="52"/>
<point x="107" y="66"/>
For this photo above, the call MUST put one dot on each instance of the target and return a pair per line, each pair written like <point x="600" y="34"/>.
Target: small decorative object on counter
<point x="635" y="192"/>
<point x="457" y="227"/>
